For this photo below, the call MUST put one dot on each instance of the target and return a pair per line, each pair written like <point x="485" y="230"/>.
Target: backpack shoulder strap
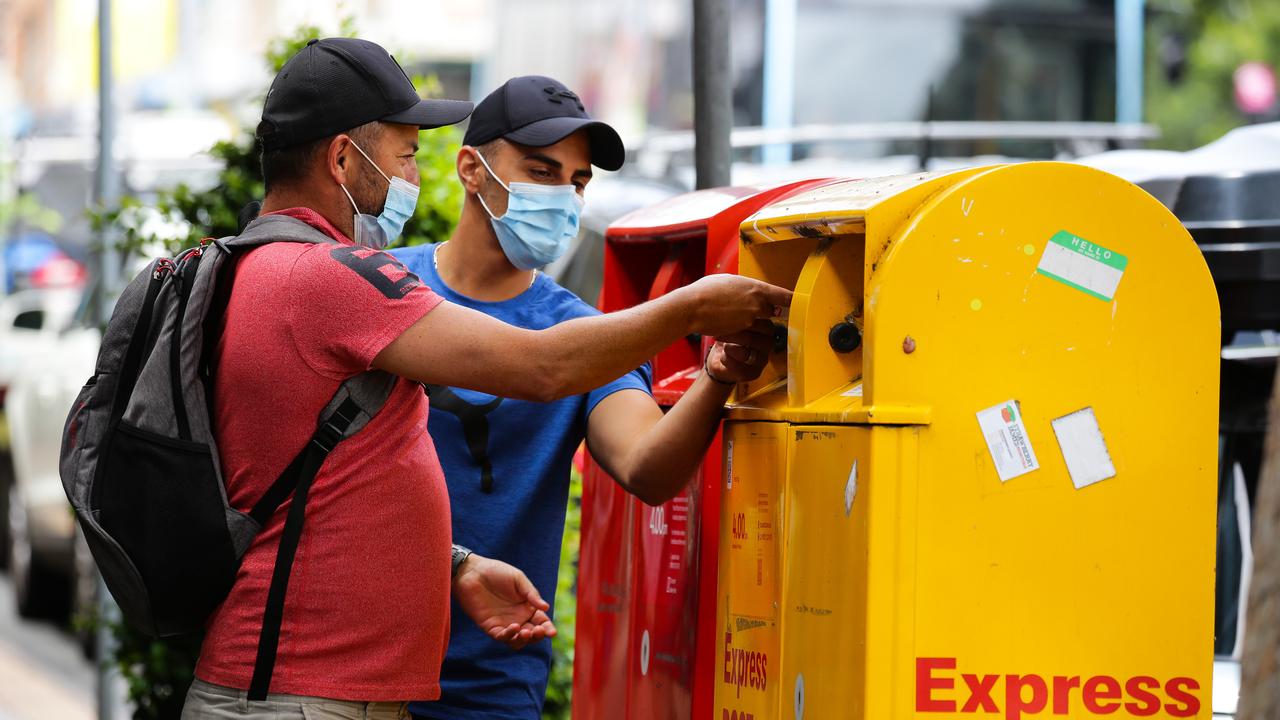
<point x="352" y="407"/>
<point x="262" y="230"/>
<point x="274" y="228"/>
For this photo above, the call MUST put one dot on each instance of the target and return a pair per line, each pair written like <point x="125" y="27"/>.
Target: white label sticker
<point x="1083" y="447"/>
<point x="728" y="466"/>
<point x="855" y="391"/>
<point x="1007" y="440"/>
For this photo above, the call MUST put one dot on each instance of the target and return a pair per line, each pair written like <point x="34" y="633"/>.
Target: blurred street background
<point x="1156" y="91"/>
<point x="45" y="674"/>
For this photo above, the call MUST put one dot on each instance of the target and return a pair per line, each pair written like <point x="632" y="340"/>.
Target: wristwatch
<point x="460" y="554"/>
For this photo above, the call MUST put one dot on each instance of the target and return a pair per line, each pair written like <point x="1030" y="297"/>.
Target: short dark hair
<point x="488" y="149"/>
<point x="283" y="167"/>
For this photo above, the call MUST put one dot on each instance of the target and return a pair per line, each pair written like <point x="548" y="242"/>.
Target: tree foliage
<point x="1196" y="46"/>
<point x="560" y="685"/>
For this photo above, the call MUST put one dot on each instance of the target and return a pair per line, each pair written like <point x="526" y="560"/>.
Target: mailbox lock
<point x="779" y="337"/>
<point x="844" y="337"/>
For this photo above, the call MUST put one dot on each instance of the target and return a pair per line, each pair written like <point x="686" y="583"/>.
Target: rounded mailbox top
<point x="678" y="216"/>
<point x="830" y="209"/>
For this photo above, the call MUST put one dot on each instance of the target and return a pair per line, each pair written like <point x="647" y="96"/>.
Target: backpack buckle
<point x="327" y="437"/>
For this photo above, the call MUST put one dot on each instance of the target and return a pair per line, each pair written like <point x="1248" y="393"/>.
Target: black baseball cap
<point x="538" y="111"/>
<point x="336" y="84"/>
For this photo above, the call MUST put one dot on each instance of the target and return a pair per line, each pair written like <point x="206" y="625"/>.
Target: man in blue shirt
<point x="525" y="162"/>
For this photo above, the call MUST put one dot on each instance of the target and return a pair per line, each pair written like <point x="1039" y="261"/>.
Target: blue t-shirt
<point x="506" y="463"/>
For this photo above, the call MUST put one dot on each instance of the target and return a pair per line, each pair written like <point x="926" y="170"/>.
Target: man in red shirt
<point x="366" y="615"/>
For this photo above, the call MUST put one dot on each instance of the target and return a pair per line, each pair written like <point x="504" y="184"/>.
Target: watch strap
<point x="459" y="556"/>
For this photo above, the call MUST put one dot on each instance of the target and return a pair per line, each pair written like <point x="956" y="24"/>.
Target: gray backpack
<point x="139" y="461"/>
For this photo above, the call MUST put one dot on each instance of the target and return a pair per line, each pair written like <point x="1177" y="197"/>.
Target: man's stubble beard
<point x="369" y="190"/>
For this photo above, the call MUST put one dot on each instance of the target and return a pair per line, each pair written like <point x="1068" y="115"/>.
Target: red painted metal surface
<point x="646" y="579"/>
<point x="600" y="670"/>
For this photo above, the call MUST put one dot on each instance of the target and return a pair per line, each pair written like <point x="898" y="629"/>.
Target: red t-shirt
<point x="367" y="613"/>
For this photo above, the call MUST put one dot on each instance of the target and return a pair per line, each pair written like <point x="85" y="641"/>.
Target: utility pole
<point x="712" y="93"/>
<point x="105" y="190"/>
<point x="8" y="168"/>
<point x="105" y="268"/>
<point x="1129" y="67"/>
<point x="8" y="197"/>
<point x="779" y="74"/>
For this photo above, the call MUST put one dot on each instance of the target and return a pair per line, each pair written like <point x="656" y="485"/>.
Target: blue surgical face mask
<point x="540" y="222"/>
<point x="402" y="199"/>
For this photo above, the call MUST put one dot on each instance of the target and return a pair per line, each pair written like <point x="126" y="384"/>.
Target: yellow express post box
<point x="980" y="480"/>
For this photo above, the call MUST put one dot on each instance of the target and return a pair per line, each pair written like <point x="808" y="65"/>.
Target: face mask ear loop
<point x="371" y="162"/>
<point x="485" y="163"/>
<point x="349" y="198"/>
<point x="485" y="205"/>
<point x="488" y="169"/>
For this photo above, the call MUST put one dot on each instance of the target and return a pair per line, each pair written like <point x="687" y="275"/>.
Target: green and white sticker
<point x="1085" y="266"/>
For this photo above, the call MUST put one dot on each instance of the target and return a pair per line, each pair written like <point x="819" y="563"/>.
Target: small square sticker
<point x="1083" y="447"/>
<point x="1007" y="441"/>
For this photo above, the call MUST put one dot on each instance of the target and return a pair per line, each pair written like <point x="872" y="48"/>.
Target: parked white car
<point x="41" y="527"/>
<point x="28" y="328"/>
<point x="29" y="324"/>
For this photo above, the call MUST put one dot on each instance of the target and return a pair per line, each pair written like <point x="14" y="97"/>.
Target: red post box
<point x="646" y="610"/>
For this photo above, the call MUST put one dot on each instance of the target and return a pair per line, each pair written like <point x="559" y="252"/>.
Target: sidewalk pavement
<point x="28" y="693"/>
<point x="43" y="673"/>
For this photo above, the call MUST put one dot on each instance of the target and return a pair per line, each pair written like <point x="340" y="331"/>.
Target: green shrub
<point x="560" y="685"/>
<point x="1199" y="106"/>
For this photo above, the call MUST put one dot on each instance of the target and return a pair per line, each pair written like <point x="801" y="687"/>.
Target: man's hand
<point x="741" y="357"/>
<point x="723" y="304"/>
<point x="502" y="601"/>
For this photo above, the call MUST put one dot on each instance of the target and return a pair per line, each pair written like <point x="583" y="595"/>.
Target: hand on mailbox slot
<point x="741" y="357"/>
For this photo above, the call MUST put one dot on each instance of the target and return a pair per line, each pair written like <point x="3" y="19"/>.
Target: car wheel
<point x="35" y="588"/>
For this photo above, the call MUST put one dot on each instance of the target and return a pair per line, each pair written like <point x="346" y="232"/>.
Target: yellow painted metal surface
<point x="1070" y="312"/>
<point x="827" y="463"/>
<point x="750" y="567"/>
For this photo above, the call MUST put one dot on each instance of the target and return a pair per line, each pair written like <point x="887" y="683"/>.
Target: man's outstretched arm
<point x="453" y="345"/>
<point x="654" y="455"/>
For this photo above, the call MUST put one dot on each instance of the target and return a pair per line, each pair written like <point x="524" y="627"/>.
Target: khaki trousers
<point x="206" y="701"/>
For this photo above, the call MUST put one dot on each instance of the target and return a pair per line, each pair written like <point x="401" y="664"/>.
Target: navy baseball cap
<point x="336" y="84"/>
<point x="538" y="111"/>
